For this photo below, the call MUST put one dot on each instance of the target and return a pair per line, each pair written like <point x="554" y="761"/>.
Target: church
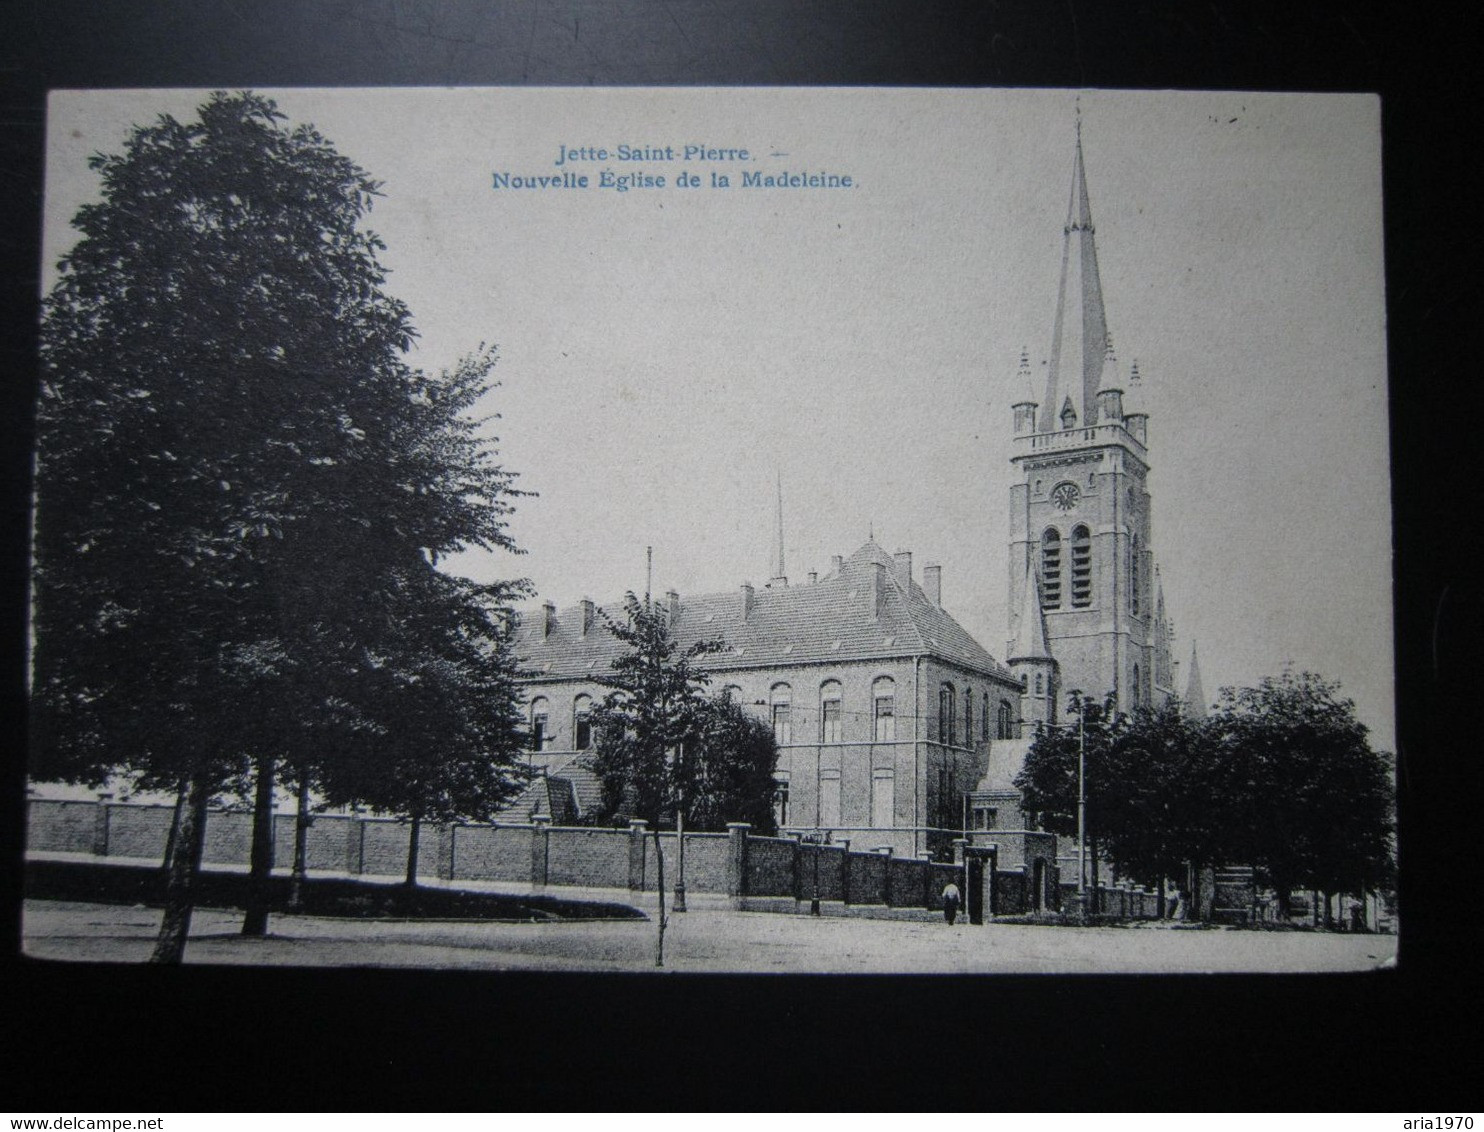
<point x="896" y="728"/>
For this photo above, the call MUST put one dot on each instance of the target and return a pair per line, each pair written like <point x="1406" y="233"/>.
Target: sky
<point x="668" y="354"/>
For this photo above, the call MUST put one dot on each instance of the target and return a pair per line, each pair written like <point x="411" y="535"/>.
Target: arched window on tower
<point x="1133" y="576"/>
<point x="1040" y="684"/>
<point x="1081" y="567"/>
<point x="1051" y="569"/>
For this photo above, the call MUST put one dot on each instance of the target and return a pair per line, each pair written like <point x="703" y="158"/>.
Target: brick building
<point x="883" y="706"/>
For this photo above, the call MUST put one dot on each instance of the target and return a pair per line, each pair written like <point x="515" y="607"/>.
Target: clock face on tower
<point x="1065" y="495"/>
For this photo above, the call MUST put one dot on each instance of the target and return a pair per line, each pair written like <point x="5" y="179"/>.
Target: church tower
<point x="1080" y="527"/>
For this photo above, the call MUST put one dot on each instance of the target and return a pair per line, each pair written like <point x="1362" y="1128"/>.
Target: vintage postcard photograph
<point x="713" y="530"/>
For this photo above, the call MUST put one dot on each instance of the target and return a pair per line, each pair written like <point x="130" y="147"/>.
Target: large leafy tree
<point x="237" y="468"/>
<point x="1308" y="802"/>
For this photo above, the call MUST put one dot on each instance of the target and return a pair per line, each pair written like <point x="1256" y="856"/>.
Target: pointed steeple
<point x="1195" y="696"/>
<point x="1079" y="338"/>
<point x="1030" y="639"/>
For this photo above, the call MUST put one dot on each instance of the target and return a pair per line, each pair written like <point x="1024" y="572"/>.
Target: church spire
<point x="1195" y="696"/>
<point x="1079" y="338"/>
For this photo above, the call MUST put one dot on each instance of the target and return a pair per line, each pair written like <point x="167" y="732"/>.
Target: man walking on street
<point x="950" y="902"/>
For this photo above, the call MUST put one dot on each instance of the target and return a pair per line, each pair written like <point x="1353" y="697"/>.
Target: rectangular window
<point x="829" y="715"/>
<point x="783" y="732"/>
<point x="883" y="799"/>
<point x="886" y="722"/>
<point x="829" y="798"/>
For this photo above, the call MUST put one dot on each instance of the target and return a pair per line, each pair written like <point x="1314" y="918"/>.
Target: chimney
<point x="813" y="576"/>
<point x="878" y="588"/>
<point x="587" y="615"/>
<point x="548" y="617"/>
<point x="747" y="600"/>
<point x="672" y="603"/>
<point x="903" y="570"/>
<point x="932" y="583"/>
<point x="837" y="563"/>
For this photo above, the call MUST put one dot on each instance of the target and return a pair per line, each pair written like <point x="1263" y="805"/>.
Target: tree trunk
<point x="180" y="799"/>
<point x="185" y="863"/>
<point x="659" y="864"/>
<point x="260" y="869"/>
<point x="301" y="843"/>
<point x="412" y="839"/>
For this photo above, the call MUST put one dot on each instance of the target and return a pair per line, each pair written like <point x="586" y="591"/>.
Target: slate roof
<point x="833" y="619"/>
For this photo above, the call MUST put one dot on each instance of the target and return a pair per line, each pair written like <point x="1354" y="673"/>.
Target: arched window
<point x="732" y="692"/>
<point x="984" y="718"/>
<point x="781" y="699"/>
<point x="831" y="729"/>
<point x="884" y="709"/>
<point x="582" y="722"/>
<point x="540" y="724"/>
<point x="968" y="716"/>
<point x="947" y="732"/>
<point x="1051" y="569"/>
<point x="1040" y="684"/>
<point x="1006" y="721"/>
<point x="1081" y="567"/>
<point x="1138" y="686"/>
<point x="1133" y="576"/>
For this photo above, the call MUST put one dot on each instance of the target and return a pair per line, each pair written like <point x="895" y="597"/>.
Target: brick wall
<point x="139" y="831"/>
<point x="60" y="827"/>
<point x="707" y="859"/>
<point x="597" y="858"/>
<point x="228" y="836"/>
<point x="492" y="852"/>
<point x="770" y="866"/>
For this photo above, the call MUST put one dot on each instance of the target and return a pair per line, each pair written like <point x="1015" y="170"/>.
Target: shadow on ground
<point x="128" y="884"/>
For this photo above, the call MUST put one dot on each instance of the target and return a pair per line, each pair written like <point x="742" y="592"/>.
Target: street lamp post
<point x="814" y="904"/>
<point x="1081" y="803"/>
<point x="679" y="903"/>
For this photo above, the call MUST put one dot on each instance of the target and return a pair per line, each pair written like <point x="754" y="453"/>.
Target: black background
<point x="117" y="1039"/>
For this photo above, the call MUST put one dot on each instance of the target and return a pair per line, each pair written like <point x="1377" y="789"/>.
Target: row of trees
<point x="243" y="494"/>
<point x="1280" y="777"/>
